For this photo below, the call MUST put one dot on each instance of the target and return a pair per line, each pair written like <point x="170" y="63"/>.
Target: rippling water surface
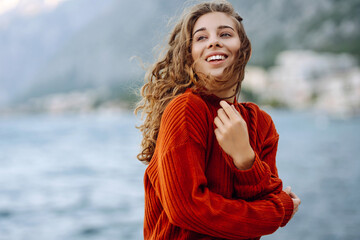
<point x="77" y="177"/>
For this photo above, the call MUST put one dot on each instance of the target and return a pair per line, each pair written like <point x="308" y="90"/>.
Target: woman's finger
<point x="294" y="196"/>
<point x="287" y="190"/>
<point x="223" y="116"/>
<point x="218" y="134"/>
<point x="219" y="124"/>
<point x="236" y="111"/>
<point x="228" y="110"/>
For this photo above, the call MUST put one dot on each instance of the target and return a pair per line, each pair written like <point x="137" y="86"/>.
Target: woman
<point x="211" y="172"/>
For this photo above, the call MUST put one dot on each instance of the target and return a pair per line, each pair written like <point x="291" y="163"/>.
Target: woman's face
<point x="215" y="43"/>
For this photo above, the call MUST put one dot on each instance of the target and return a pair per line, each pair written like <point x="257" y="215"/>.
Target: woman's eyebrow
<point x="200" y="29"/>
<point x="226" y="26"/>
<point x="220" y="27"/>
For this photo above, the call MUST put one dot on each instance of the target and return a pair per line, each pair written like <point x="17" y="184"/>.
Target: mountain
<point x="28" y="41"/>
<point x="100" y="53"/>
<point x="85" y="44"/>
<point x="322" y="25"/>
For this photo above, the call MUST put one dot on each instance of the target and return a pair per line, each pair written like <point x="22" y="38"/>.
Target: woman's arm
<point x="232" y="135"/>
<point x="182" y="188"/>
<point x="271" y="183"/>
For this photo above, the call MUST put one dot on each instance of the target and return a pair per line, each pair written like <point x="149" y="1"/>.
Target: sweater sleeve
<point x="182" y="186"/>
<point x="260" y="186"/>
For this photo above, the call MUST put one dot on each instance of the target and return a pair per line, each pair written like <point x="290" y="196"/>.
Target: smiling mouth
<point x="214" y="58"/>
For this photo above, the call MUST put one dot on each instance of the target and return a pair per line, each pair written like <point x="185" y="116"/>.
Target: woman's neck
<point x="228" y="94"/>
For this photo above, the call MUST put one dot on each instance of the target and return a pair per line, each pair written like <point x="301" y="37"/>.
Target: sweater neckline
<point x="212" y="98"/>
<point x="215" y="101"/>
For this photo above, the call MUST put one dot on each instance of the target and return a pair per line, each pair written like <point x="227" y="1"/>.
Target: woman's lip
<point x="216" y="62"/>
<point x="216" y="53"/>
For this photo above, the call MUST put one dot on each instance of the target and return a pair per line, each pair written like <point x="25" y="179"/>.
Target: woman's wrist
<point x="244" y="161"/>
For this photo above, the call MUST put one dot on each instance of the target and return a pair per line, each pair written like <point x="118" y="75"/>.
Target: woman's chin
<point x="216" y="74"/>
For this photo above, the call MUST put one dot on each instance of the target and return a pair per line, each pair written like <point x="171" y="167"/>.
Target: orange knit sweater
<point x="192" y="188"/>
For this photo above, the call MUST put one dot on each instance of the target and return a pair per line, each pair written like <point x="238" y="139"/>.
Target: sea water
<point x="76" y="177"/>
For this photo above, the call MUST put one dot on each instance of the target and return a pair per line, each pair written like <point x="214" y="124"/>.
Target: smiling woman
<point x="212" y="163"/>
<point x="215" y="46"/>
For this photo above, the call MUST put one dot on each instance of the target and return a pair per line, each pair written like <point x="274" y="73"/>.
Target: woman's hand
<point x="233" y="137"/>
<point x="296" y="200"/>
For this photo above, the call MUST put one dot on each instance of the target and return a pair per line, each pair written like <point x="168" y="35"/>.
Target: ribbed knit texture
<point x="193" y="189"/>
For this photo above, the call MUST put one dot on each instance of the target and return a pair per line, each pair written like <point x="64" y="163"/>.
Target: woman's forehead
<point x="213" y="20"/>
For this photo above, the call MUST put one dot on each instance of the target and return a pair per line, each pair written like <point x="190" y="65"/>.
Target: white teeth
<point x="215" y="57"/>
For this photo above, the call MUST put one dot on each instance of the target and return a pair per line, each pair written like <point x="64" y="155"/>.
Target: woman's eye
<point x="200" y="38"/>
<point x="225" y="35"/>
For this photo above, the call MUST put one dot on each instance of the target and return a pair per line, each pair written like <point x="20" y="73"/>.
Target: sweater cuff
<point x="288" y="206"/>
<point x="254" y="175"/>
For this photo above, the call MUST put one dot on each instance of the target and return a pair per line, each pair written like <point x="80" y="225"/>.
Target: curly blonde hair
<point x="174" y="72"/>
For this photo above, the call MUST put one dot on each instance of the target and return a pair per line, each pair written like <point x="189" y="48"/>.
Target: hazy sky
<point x="28" y="7"/>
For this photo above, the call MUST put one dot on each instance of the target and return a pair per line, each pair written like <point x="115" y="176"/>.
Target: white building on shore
<point x="326" y="82"/>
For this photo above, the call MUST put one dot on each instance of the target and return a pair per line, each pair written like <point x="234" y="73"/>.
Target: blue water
<point x="77" y="177"/>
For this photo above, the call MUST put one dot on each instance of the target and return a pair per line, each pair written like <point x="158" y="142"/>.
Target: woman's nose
<point x="214" y="42"/>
